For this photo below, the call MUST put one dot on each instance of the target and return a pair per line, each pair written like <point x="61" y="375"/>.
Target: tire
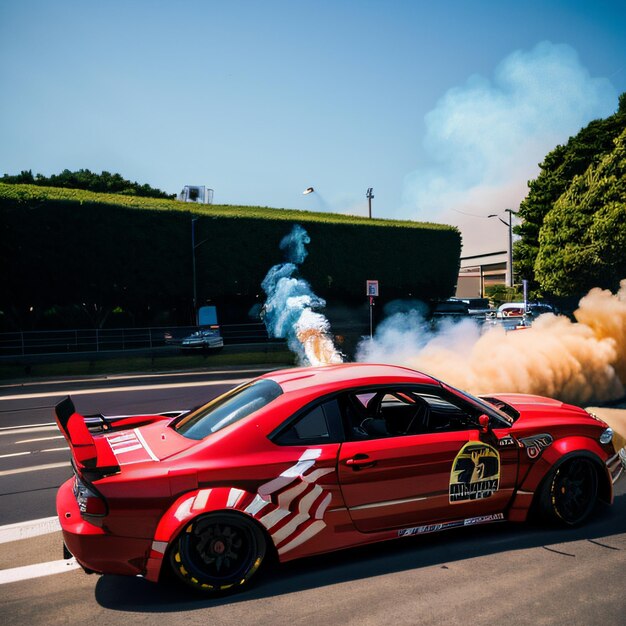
<point x="218" y="552"/>
<point x="569" y="494"/>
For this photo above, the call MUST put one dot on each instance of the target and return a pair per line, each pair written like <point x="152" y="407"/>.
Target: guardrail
<point x="28" y="343"/>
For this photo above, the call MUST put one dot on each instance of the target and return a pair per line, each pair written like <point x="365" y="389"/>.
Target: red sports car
<point x="305" y="461"/>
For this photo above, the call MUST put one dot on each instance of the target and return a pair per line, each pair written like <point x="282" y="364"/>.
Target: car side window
<point x="393" y="412"/>
<point x="317" y="425"/>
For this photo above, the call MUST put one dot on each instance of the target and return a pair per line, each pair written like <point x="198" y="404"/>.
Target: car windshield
<point x="481" y="402"/>
<point x="228" y="409"/>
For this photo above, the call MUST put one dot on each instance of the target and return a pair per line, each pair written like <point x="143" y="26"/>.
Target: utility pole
<point x="369" y="195"/>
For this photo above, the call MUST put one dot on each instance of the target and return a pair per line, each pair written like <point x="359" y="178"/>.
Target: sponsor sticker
<point x="536" y="444"/>
<point x="475" y="473"/>
<point x="433" y="528"/>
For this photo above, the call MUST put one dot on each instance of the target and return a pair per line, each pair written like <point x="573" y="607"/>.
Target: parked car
<point x="517" y="315"/>
<point x="306" y="461"/>
<point x="203" y="339"/>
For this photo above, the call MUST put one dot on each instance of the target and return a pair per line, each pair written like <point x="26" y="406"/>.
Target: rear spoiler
<point x="91" y="456"/>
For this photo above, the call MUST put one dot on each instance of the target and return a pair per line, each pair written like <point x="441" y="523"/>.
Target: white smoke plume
<point x="485" y="139"/>
<point x="290" y="309"/>
<point x="575" y="362"/>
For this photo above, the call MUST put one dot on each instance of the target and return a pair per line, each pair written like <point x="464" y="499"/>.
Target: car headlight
<point x="607" y="436"/>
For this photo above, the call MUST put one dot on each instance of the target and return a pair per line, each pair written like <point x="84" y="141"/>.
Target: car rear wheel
<point x="218" y="552"/>
<point x="570" y="492"/>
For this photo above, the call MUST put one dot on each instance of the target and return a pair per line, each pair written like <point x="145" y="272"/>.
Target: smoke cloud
<point x="575" y="362"/>
<point x="484" y="139"/>
<point x="292" y="309"/>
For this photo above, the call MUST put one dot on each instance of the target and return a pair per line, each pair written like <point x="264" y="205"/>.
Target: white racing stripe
<point x="84" y="392"/>
<point x="32" y="528"/>
<point x="27" y="572"/>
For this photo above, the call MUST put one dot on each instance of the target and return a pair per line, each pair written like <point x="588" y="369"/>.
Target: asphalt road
<point x="519" y="574"/>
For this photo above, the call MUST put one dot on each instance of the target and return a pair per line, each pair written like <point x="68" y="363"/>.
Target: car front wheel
<point x="218" y="552"/>
<point x="570" y="492"/>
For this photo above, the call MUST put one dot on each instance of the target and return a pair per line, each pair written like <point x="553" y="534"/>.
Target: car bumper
<point x="96" y="550"/>
<point x="616" y="465"/>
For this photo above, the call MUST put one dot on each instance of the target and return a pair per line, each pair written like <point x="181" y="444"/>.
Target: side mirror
<point x="483" y="421"/>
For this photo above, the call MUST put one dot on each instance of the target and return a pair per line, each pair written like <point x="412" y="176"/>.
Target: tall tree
<point x="583" y="238"/>
<point x="558" y="170"/>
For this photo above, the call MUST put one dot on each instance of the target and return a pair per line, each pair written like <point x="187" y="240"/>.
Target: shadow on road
<point x="408" y="554"/>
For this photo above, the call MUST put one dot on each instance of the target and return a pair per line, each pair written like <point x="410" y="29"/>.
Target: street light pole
<point x="510" y="212"/>
<point x="509" y="225"/>
<point x="369" y="195"/>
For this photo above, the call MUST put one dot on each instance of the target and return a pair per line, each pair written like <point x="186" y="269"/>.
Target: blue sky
<point x="445" y="108"/>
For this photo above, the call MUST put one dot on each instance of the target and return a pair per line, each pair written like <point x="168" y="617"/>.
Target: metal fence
<point x="115" y="339"/>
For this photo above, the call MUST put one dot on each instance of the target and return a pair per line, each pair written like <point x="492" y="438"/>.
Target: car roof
<point x="346" y="375"/>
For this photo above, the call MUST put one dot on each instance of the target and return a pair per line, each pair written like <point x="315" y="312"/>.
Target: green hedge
<point x="64" y="246"/>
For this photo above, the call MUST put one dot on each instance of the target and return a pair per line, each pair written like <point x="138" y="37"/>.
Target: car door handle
<point x="360" y="461"/>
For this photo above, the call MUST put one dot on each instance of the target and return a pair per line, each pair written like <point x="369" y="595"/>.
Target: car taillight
<point x="89" y="502"/>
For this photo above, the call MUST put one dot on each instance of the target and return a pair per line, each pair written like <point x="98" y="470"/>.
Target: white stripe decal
<point x="286" y="497"/>
<point x="315" y="475"/>
<point x="201" y="499"/>
<point x="306" y="503"/>
<point x="35" y="571"/>
<point x="119" y="451"/>
<point x="319" y="514"/>
<point x="273" y="517"/>
<point x="289" y="528"/>
<point x="32" y="528"/>
<point x="145" y="445"/>
<point x="121" y="437"/>
<point x="184" y="509"/>
<point x="305" y="535"/>
<point x="159" y="546"/>
<point x="233" y="497"/>
<point x="257" y="505"/>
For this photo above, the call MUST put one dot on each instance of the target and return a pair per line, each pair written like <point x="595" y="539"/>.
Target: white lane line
<point x="6" y="456"/>
<point x="83" y="392"/>
<point x="40" y="439"/>
<point x="35" y="468"/>
<point x="31" y="528"/>
<point x="26" y="426"/>
<point x="35" y="571"/>
<point x="251" y="370"/>
<point x="31" y="429"/>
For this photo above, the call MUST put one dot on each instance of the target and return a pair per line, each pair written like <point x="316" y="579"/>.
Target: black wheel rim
<point x="574" y="490"/>
<point x="217" y="552"/>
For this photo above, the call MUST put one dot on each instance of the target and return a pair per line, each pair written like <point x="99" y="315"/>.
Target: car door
<point x="444" y="469"/>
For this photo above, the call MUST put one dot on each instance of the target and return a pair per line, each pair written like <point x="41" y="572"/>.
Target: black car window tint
<point x="312" y="427"/>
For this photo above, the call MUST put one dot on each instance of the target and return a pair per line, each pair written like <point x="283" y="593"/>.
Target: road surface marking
<point x="33" y="429"/>
<point x="32" y="528"/>
<point x="35" y="571"/>
<point x="40" y="439"/>
<point x="84" y="392"/>
<point x="6" y="456"/>
<point x="35" y="468"/>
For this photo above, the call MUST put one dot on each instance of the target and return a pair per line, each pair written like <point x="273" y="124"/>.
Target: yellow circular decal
<point x="475" y="473"/>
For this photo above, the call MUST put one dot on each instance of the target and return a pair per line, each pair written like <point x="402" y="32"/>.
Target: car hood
<point x="535" y="408"/>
